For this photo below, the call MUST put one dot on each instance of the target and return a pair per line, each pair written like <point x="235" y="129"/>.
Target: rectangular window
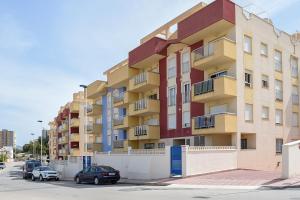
<point x="265" y="81"/>
<point x="244" y="144"/>
<point x="248" y="112"/>
<point x="161" y="145"/>
<point x="263" y="49"/>
<point x="295" y="96"/>
<point x="172" y="96"/>
<point x="278" y="60"/>
<point x="295" y="119"/>
<point x="149" y="146"/>
<point x="247" y="44"/>
<point x="265" y="113"/>
<point x="294" y="67"/>
<point x="278" y="90"/>
<point x="218" y="109"/>
<point x="278" y="117"/>
<point x="186" y="119"/>
<point x="199" y="140"/>
<point x="171" y="121"/>
<point x="185" y="62"/>
<point x="186" y="93"/>
<point x="248" y="79"/>
<point x="279" y="143"/>
<point x="171" y="67"/>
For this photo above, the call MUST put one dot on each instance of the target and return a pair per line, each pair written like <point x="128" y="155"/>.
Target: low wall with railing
<point x="138" y="163"/>
<point x="207" y="159"/>
<point x="290" y="159"/>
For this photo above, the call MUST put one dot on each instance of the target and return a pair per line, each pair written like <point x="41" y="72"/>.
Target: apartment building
<point x="7" y="138"/>
<point x="52" y="143"/>
<point x="216" y="75"/>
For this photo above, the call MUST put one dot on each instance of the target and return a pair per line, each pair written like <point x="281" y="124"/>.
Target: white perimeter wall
<point x="290" y="159"/>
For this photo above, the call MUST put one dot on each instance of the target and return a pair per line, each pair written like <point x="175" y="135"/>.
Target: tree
<point x="3" y="157"/>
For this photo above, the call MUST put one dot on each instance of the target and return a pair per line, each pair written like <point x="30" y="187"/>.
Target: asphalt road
<point x="13" y="187"/>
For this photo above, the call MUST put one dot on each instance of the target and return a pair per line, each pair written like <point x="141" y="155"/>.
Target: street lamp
<point x="85" y="122"/>
<point x="41" y="122"/>
<point x="33" y="150"/>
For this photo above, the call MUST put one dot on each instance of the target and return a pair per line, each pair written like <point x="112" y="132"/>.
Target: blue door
<point x="176" y="161"/>
<point x="88" y="160"/>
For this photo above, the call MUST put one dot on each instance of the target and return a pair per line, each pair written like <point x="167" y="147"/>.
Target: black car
<point x="98" y="175"/>
<point x="2" y="165"/>
<point x="29" y="166"/>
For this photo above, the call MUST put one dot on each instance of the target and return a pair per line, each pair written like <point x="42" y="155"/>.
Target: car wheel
<point x="41" y="178"/>
<point x="32" y="178"/>
<point x="78" y="180"/>
<point x="56" y="179"/>
<point x="96" y="181"/>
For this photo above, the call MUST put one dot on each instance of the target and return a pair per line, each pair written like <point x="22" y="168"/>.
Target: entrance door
<point x="176" y="161"/>
<point x="89" y="162"/>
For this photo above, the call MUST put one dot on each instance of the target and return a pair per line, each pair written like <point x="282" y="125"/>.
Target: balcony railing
<point x="202" y="122"/>
<point x="140" y="78"/>
<point x="118" y="144"/>
<point x="140" y="104"/>
<point x="141" y="130"/>
<point x="119" y="121"/>
<point x="278" y="95"/>
<point x="295" y="99"/>
<point x="119" y="97"/>
<point x="204" y="87"/>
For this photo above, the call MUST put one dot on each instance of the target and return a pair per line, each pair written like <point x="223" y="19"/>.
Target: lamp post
<point x="85" y="122"/>
<point x="41" y="122"/>
<point x="33" y="150"/>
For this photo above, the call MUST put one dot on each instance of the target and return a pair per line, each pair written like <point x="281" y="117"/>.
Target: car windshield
<point x="105" y="168"/>
<point x="45" y="168"/>
<point x="32" y="165"/>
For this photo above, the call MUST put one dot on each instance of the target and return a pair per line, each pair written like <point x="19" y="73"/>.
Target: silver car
<point x="44" y="173"/>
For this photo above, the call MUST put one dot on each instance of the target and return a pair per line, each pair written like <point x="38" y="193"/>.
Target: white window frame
<point x="171" y="69"/>
<point x="247" y="44"/>
<point x="294" y="67"/>
<point x="186" y="119"/>
<point x="171" y="102"/>
<point x="279" y="117"/>
<point x="263" y="49"/>
<point x="265" y="79"/>
<point x="265" y="112"/>
<point x="248" y="83"/>
<point x="248" y="113"/>
<point x="277" y="60"/>
<point x="185" y="65"/>
<point x="186" y="95"/>
<point x="278" y="90"/>
<point x="172" y="121"/>
<point x="295" y="119"/>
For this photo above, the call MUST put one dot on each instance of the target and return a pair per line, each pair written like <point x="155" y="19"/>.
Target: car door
<point x="36" y="172"/>
<point x="91" y="174"/>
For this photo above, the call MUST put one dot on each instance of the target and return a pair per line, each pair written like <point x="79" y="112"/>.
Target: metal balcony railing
<point x="141" y="130"/>
<point x="140" y="78"/>
<point x="119" y="121"/>
<point x="204" y="87"/>
<point x="207" y="121"/>
<point x="119" y="97"/>
<point x="118" y="144"/>
<point x="140" y="104"/>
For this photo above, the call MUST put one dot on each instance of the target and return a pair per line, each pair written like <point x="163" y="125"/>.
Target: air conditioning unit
<point x="187" y="125"/>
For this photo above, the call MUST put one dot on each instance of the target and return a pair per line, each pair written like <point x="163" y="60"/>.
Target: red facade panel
<point x="74" y="115"/>
<point x="147" y="49"/>
<point x="163" y="98"/>
<point x="74" y="130"/>
<point x="74" y="145"/>
<point x="214" y="12"/>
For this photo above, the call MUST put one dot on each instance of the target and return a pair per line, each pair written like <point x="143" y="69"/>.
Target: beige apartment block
<point x="7" y="138"/>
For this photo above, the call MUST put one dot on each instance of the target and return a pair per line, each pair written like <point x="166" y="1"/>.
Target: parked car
<point x="2" y="165"/>
<point x="98" y="175"/>
<point x="29" y="166"/>
<point x="44" y="173"/>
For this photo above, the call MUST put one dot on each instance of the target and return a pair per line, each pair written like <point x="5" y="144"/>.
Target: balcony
<point x="74" y="122"/>
<point x="216" y="53"/>
<point x="120" y="144"/>
<point x="94" y="109"/>
<point x="214" y="89"/>
<point x="96" y="89"/>
<point x="124" y="98"/>
<point x="63" y="140"/>
<point x="144" y="82"/>
<point x="75" y="152"/>
<point x="74" y="138"/>
<point x="74" y="145"/>
<point x="144" y="132"/>
<point x="94" y="129"/>
<point x="74" y="107"/>
<point x="92" y="147"/>
<point x="120" y="75"/>
<point x="144" y="107"/>
<point x="216" y="123"/>
<point x="125" y="122"/>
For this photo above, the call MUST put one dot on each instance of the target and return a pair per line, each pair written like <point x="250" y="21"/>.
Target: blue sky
<point x="48" y="48"/>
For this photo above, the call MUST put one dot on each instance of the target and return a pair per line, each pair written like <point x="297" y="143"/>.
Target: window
<point x="265" y="112"/>
<point x="278" y="90"/>
<point x="247" y="44"/>
<point x="149" y="146"/>
<point x="295" y="96"/>
<point x="244" y="144"/>
<point x="199" y="140"/>
<point x="279" y="143"/>
<point x="248" y="112"/>
<point x="186" y="93"/>
<point x="278" y="117"/>
<point x="265" y="81"/>
<point x="186" y="119"/>
<point x="218" y="74"/>
<point x="171" y="121"/>
<point x="248" y="79"/>
<point x="185" y="64"/>
<point x="294" y="67"/>
<point x="278" y="60"/>
<point x="218" y="109"/>
<point x="295" y="119"/>
<point x="263" y="49"/>
<point x="161" y="145"/>
<point x="172" y="96"/>
<point x="171" y="67"/>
